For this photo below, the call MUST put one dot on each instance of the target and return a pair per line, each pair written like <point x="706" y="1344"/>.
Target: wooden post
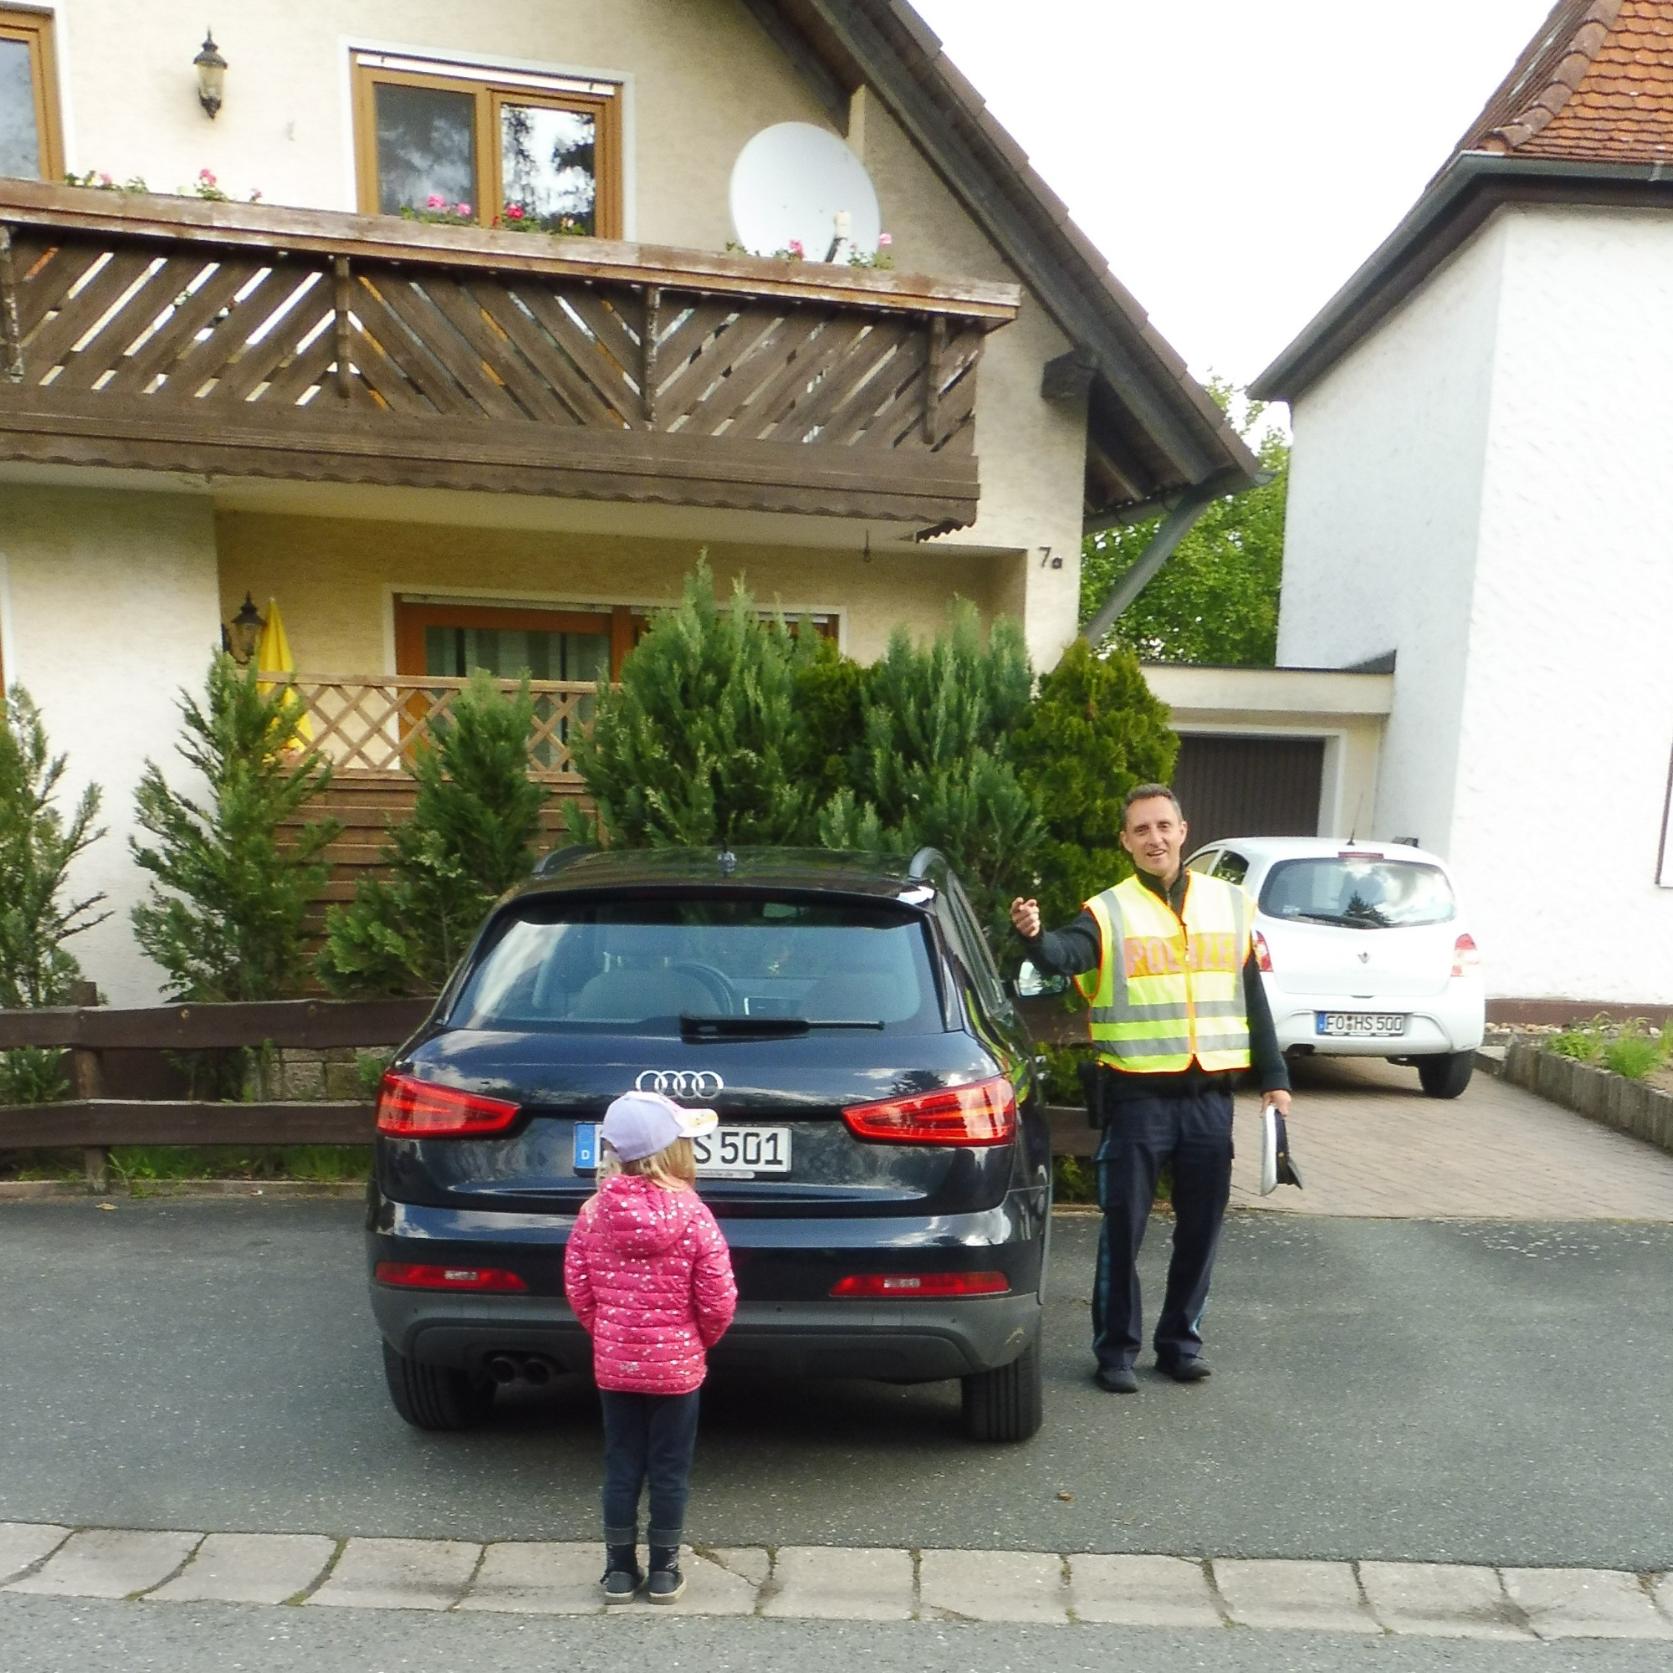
<point x="87" y="1078"/>
<point x="11" y="331"/>
<point x="342" y="297"/>
<point x="647" y="353"/>
<point x="932" y="376"/>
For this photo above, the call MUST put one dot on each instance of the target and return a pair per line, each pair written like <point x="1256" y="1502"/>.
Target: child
<point x="649" y="1276"/>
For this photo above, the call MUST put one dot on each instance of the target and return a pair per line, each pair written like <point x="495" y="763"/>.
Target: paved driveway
<point x="1369" y="1143"/>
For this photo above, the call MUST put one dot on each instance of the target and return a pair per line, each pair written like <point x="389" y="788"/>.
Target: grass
<point x="136" y="1164"/>
<point x="1633" y="1049"/>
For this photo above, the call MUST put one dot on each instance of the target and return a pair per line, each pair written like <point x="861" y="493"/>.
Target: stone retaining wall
<point x="1629" y="1106"/>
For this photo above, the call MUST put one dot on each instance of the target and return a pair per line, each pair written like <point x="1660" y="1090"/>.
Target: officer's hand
<point x="1280" y="1101"/>
<point x="1025" y="915"/>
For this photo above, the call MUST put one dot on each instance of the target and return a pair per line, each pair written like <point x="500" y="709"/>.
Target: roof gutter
<point x="1461" y="198"/>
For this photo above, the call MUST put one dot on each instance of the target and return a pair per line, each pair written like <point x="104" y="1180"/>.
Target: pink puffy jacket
<point x="650" y="1278"/>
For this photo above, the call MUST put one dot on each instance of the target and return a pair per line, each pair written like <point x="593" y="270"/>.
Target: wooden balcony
<point x="251" y="340"/>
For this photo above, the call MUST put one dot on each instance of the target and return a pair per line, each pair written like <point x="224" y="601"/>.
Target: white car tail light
<point x="1263" y="955"/>
<point x="1465" y="955"/>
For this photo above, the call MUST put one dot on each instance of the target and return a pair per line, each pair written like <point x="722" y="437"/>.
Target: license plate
<point x="1360" y="1024"/>
<point x="728" y="1152"/>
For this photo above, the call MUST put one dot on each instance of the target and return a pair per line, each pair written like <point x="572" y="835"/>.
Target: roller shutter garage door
<point x="1248" y="786"/>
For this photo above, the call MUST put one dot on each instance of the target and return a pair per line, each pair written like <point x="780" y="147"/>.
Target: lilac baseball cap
<point x="639" y="1124"/>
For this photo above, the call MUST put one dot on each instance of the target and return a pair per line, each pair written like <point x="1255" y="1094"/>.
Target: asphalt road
<point x="1470" y="1392"/>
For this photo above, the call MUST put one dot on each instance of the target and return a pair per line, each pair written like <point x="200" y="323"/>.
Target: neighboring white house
<point x="1482" y="428"/>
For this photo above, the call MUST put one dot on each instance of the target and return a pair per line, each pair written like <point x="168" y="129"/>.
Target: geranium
<point x="884" y="240"/>
<point x="514" y="211"/>
<point x="435" y="201"/>
<point x="206" y="176"/>
<point x="461" y="209"/>
<point x="797" y="253"/>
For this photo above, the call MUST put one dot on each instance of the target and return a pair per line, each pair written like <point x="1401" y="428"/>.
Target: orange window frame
<point x="34" y="30"/>
<point x="370" y="71"/>
<point x="412" y="619"/>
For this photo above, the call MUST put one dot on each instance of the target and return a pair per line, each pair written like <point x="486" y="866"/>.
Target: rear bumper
<point x="789" y="1326"/>
<point x="1434" y="1023"/>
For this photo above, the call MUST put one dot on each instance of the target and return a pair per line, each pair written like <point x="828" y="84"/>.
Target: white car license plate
<point x="727" y="1152"/>
<point x="1360" y="1024"/>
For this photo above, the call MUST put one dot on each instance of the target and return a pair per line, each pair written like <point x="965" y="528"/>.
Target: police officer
<point x="1166" y="960"/>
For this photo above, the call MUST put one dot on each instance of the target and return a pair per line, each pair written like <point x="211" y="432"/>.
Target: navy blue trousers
<point x="649" y="1439"/>
<point x="1193" y="1134"/>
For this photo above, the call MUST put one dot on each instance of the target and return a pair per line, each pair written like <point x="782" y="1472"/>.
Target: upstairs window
<point x="495" y="147"/>
<point x="30" y="145"/>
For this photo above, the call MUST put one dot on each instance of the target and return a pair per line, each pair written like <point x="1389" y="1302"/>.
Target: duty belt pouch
<point x="1092" y="1090"/>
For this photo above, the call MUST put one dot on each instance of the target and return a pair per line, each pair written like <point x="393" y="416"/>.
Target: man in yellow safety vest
<point x="1178" y="1015"/>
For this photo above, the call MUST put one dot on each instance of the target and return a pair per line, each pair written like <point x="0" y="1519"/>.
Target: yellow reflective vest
<point x="1168" y="991"/>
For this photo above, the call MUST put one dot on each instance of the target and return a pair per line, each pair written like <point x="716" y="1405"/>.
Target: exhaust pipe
<point x="502" y="1368"/>
<point x="536" y="1372"/>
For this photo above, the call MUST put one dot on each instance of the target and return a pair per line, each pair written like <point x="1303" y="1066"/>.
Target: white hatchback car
<point x="1362" y="951"/>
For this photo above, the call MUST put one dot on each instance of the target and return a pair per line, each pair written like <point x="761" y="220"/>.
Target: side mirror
<point x="1031" y="982"/>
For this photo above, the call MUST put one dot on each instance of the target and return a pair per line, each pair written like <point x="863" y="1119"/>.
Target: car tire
<point x="435" y="1396"/>
<point x="1446" y="1074"/>
<point x="1007" y="1404"/>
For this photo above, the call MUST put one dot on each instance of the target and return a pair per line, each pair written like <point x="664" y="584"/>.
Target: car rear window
<point x="1362" y="891"/>
<point x="643" y="964"/>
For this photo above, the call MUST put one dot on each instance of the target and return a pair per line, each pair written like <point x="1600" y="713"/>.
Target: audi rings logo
<point x="679" y="1083"/>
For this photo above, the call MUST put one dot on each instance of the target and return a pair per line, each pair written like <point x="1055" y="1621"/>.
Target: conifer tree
<point x="225" y="916"/>
<point x="720" y="732"/>
<point x="935" y="765"/>
<point x="36" y="850"/>
<point x="1093" y="732"/>
<point x="472" y="834"/>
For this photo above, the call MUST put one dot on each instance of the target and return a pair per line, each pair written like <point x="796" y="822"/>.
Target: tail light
<point x="405" y="1275"/>
<point x="912" y="1286"/>
<point x="982" y="1113"/>
<point x="1465" y="955"/>
<point x="1263" y="956"/>
<point x="412" y="1108"/>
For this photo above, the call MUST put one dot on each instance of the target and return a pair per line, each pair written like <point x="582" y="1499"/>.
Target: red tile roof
<point x="1594" y="85"/>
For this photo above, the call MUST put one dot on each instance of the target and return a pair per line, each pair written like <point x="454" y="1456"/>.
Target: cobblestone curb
<point x="840" y="1583"/>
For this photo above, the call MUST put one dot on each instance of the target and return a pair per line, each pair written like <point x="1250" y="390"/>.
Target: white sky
<point x="1236" y="160"/>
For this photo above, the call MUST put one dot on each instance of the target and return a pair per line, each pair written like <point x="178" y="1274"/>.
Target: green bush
<point x="1093" y="732"/>
<point x="473" y="832"/>
<point x="1584" y="1042"/>
<point x="935" y="769"/>
<point x="226" y="914"/>
<point x="1634" y="1052"/>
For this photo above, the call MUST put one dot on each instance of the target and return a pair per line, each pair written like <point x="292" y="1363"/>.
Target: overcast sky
<point x="1235" y="159"/>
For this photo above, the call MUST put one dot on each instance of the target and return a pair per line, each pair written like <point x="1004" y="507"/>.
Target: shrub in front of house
<point x="474" y="831"/>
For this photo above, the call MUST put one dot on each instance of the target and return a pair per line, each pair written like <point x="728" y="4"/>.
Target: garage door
<point x="1249" y="786"/>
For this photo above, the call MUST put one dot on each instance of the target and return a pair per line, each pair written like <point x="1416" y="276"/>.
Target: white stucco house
<point x="1482" y="429"/>
<point x="448" y="442"/>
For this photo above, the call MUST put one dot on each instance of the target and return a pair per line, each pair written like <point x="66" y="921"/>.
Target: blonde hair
<point x="674" y="1167"/>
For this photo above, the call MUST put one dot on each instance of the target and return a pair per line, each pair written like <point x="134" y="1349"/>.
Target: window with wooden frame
<point x="31" y="137"/>
<point x="495" y="147"/>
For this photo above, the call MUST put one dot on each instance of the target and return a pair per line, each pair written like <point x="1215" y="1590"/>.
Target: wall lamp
<point x="240" y="636"/>
<point x="212" y="74"/>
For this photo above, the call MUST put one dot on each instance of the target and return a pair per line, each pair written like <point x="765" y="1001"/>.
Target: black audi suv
<point x="881" y="1170"/>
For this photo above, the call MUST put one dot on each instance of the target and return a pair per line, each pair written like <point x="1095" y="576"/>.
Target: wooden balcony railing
<point x="238" y="339"/>
<point x="367" y="724"/>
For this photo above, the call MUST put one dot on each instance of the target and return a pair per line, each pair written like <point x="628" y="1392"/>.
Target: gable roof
<point x="1585" y="116"/>
<point x="1154" y="433"/>
<point x="1596" y="83"/>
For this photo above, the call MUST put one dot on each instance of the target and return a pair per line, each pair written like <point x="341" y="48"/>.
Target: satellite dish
<point x="790" y="184"/>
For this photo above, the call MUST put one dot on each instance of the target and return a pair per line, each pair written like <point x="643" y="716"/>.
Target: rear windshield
<point x="642" y="965"/>
<point x="1361" y="891"/>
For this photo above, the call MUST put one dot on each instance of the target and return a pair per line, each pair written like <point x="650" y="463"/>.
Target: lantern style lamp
<point x="244" y="631"/>
<point x="212" y="74"/>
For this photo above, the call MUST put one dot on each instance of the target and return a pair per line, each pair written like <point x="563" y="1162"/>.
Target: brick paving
<point x="1369" y="1144"/>
<point x="838" y="1583"/>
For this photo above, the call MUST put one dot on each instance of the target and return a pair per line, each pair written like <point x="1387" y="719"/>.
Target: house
<point x="1478" y="502"/>
<point x="441" y="440"/>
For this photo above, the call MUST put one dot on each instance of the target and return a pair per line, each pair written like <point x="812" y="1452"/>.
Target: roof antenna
<point x="1359" y="808"/>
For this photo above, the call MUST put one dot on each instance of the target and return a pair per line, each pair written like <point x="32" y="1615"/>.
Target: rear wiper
<point x="759" y="1028"/>
<point x="1337" y="918"/>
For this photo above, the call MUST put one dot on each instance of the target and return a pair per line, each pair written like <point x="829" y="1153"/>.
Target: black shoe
<point x="1192" y="1370"/>
<point x="622" y="1576"/>
<point x="1116" y="1379"/>
<point x="667" y="1583"/>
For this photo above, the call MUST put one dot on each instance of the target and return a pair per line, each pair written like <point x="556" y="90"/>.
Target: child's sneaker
<point x="622" y="1574"/>
<point x="666" y="1583"/>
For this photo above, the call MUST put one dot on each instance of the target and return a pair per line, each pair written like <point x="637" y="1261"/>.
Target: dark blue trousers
<point x="1193" y="1133"/>
<point x="649" y="1439"/>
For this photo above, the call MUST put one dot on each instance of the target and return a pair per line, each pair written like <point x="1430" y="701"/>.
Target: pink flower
<point x="884" y="241"/>
<point x="105" y="180"/>
<point x="461" y="209"/>
<point x="255" y="194"/>
<point x="435" y="201"/>
<point x="796" y="247"/>
<point x="206" y="177"/>
<point x="514" y="211"/>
